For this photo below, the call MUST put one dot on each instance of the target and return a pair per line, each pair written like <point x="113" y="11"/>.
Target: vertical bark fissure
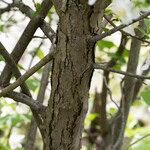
<point x="71" y="77"/>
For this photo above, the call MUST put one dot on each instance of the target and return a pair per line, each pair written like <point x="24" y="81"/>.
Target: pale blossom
<point x="91" y="2"/>
<point x="15" y="141"/>
<point x="146" y="64"/>
<point x="126" y="12"/>
<point x="22" y="108"/>
<point x="7" y="110"/>
<point x="130" y="29"/>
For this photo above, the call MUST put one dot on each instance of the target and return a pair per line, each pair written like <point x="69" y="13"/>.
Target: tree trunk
<point x="71" y="77"/>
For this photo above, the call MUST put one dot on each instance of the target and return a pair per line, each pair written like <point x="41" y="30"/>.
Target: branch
<point x="110" y="93"/>
<point x="5" y="2"/>
<point x="6" y="9"/>
<point x="23" y="85"/>
<point x="35" y="53"/>
<point x="105" y="88"/>
<point x="140" y="139"/>
<point x="45" y="27"/>
<point x="117" y="28"/>
<point x="128" y="91"/>
<point x="128" y="34"/>
<point x="13" y="65"/>
<point x="139" y="83"/>
<point x="41" y="94"/>
<point x="19" y="97"/>
<point x="30" y="72"/>
<point x="102" y="67"/>
<point x="25" y="39"/>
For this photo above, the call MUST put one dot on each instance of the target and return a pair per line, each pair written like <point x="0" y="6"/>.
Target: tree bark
<point x="71" y="76"/>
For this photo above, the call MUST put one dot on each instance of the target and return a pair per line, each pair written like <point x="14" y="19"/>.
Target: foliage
<point x="106" y="51"/>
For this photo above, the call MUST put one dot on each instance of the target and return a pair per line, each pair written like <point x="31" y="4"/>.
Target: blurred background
<point x="15" y="117"/>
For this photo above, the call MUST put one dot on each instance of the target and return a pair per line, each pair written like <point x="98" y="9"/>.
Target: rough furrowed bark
<point x="71" y="77"/>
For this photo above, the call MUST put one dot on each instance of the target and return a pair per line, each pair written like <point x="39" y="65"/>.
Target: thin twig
<point x="102" y="67"/>
<point x="145" y="136"/>
<point x="5" y="2"/>
<point x="13" y="65"/>
<point x="46" y="28"/>
<point x="41" y="95"/>
<point x="35" y="53"/>
<point x="25" y="38"/>
<point x="110" y="93"/>
<point x="95" y="38"/>
<point x="123" y="124"/>
<point x="39" y="37"/>
<point x="128" y="34"/>
<point x="19" y="97"/>
<point x="30" y="72"/>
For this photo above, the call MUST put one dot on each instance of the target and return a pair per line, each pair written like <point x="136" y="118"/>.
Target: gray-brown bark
<point x="71" y="77"/>
<point x="61" y="126"/>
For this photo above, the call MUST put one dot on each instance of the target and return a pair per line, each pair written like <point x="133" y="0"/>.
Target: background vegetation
<point x="111" y="55"/>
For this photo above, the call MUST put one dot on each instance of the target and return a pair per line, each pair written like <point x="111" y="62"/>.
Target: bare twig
<point x="41" y="94"/>
<point x="123" y="121"/>
<point x="128" y="34"/>
<point x="110" y="93"/>
<point x="24" y="77"/>
<point x="46" y="28"/>
<point x="35" y="53"/>
<point x="16" y="71"/>
<point x="140" y="139"/>
<point x="6" y="9"/>
<point x="102" y="67"/>
<point x="5" y="2"/>
<point x="25" y="39"/>
<point x="117" y="28"/>
<point x="19" y="97"/>
<point x="39" y="37"/>
<point x="128" y="90"/>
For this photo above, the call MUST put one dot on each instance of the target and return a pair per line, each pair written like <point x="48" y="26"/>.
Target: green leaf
<point x="32" y="84"/>
<point x="105" y="44"/>
<point x="116" y="56"/>
<point x="1" y="58"/>
<point x="142" y="30"/>
<point x="38" y="7"/>
<point x="146" y="96"/>
<point x="92" y="116"/>
<point x="34" y="13"/>
<point x="4" y="119"/>
<point x="2" y="28"/>
<point x="125" y="53"/>
<point x="147" y="22"/>
<point x="112" y="110"/>
<point x="18" y="118"/>
<point x="14" y="119"/>
<point x="117" y="67"/>
<point x="40" y="53"/>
